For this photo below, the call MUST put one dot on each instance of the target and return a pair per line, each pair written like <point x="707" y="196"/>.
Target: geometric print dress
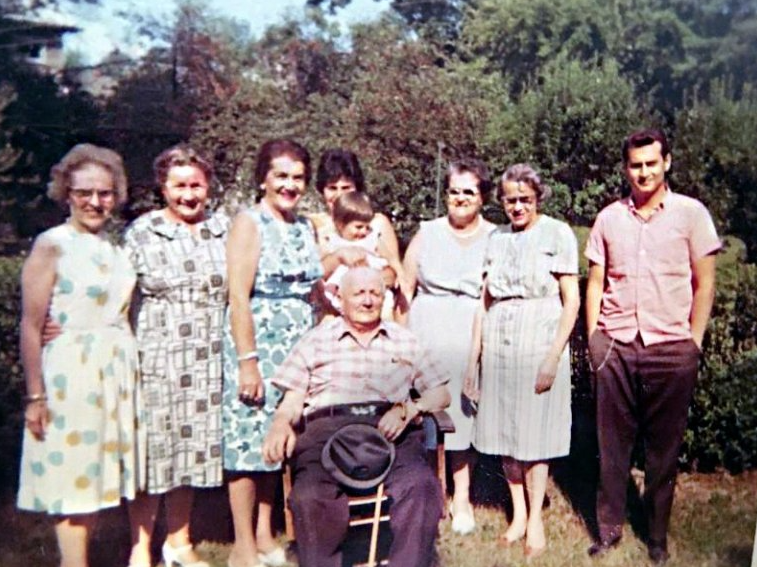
<point x="288" y="268"/>
<point x="92" y="452"/>
<point x="518" y="330"/>
<point x="178" y="313"/>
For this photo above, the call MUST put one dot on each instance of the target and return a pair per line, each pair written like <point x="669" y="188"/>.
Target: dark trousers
<point x="640" y="391"/>
<point x="319" y="503"/>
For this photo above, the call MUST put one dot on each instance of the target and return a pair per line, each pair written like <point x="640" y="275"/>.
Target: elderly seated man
<point x="358" y="369"/>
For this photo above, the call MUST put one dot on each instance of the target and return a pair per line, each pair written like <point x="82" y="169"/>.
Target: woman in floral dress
<point x="273" y="264"/>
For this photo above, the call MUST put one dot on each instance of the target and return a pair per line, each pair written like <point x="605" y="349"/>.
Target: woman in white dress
<point x="82" y="448"/>
<point x="530" y="305"/>
<point x="443" y="266"/>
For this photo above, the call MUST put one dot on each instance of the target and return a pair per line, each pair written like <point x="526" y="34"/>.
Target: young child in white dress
<point x="352" y="215"/>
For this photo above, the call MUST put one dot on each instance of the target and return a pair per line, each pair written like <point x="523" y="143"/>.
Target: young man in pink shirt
<point x="649" y="295"/>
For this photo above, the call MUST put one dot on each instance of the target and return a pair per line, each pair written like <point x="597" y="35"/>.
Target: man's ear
<point x="668" y="161"/>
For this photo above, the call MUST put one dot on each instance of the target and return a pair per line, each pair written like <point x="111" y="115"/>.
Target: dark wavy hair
<point x="645" y="137"/>
<point x="336" y="163"/>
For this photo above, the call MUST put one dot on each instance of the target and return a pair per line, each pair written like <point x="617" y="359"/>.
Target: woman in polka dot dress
<point x="82" y="448"/>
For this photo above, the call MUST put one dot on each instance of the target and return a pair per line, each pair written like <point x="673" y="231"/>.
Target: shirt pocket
<point x="397" y="377"/>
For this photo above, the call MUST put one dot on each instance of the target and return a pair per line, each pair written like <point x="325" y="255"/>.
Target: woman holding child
<point x="273" y="264"/>
<point x="339" y="172"/>
<point x="443" y="263"/>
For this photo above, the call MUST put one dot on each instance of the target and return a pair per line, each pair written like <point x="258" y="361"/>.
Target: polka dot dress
<point x="93" y="449"/>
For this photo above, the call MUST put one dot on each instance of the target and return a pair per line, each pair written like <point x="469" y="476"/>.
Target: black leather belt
<point x="368" y="409"/>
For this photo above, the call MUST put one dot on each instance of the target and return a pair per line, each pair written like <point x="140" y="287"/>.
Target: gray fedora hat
<point x="358" y="455"/>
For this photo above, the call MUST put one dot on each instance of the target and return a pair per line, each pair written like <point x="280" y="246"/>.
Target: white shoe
<point x="275" y="558"/>
<point x="172" y="555"/>
<point x="463" y="523"/>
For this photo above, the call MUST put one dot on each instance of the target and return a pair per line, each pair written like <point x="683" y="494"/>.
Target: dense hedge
<point x="11" y="377"/>
<point x="723" y="418"/>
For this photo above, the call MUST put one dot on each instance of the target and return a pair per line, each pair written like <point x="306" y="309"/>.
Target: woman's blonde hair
<point x="82" y="154"/>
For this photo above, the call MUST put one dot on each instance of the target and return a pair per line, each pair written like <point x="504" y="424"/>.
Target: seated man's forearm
<point x="290" y="408"/>
<point x="434" y="399"/>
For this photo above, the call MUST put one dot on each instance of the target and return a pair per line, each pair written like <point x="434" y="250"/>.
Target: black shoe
<point x="658" y="554"/>
<point x="602" y="546"/>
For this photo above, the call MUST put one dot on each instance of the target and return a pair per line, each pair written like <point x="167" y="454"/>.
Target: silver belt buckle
<point x="363" y="410"/>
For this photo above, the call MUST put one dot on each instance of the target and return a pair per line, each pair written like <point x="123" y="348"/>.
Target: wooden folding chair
<point x="368" y="509"/>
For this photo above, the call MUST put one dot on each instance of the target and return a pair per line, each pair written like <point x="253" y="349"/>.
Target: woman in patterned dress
<point x="179" y="254"/>
<point x="443" y="262"/>
<point x="273" y="264"/>
<point x="81" y="444"/>
<point x="531" y="302"/>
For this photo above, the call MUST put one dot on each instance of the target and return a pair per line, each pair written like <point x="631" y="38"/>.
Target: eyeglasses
<point x="525" y="201"/>
<point x="87" y="194"/>
<point x="464" y="193"/>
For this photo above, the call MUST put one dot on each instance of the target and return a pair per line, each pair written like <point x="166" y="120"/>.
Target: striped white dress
<point x="518" y="331"/>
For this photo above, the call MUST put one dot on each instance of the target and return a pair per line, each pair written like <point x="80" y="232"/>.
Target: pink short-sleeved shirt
<point x="331" y="367"/>
<point x="648" y="266"/>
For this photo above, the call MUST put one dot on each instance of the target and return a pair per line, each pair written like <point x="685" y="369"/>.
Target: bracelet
<point x="252" y="355"/>
<point x="32" y="398"/>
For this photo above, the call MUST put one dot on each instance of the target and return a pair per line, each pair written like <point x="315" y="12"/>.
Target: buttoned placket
<point x="642" y="256"/>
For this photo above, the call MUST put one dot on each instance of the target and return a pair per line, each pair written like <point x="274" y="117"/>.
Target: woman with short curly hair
<point x="81" y="443"/>
<point x="179" y="254"/>
<point x="530" y="305"/>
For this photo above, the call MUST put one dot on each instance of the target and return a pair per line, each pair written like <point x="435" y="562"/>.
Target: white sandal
<point x="275" y="558"/>
<point x="172" y="555"/>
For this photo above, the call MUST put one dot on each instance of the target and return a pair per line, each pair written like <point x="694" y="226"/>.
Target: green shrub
<point x="11" y="419"/>
<point x="722" y="429"/>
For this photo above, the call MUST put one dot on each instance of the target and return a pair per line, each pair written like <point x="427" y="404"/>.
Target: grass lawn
<point x="713" y="525"/>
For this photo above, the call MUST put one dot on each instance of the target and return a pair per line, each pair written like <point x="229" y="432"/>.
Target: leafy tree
<point x="714" y="160"/>
<point x="570" y="125"/>
<point x="666" y="48"/>
<point x="198" y="65"/>
<point x="386" y="98"/>
<point x="519" y="37"/>
<point x="437" y="21"/>
<point x="39" y="125"/>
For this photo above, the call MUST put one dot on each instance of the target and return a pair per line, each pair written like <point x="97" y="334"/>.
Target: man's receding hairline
<point x="352" y="273"/>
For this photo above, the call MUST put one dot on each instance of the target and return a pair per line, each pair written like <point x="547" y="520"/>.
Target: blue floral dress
<point x="288" y="268"/>
<point x="93" y="452"/>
